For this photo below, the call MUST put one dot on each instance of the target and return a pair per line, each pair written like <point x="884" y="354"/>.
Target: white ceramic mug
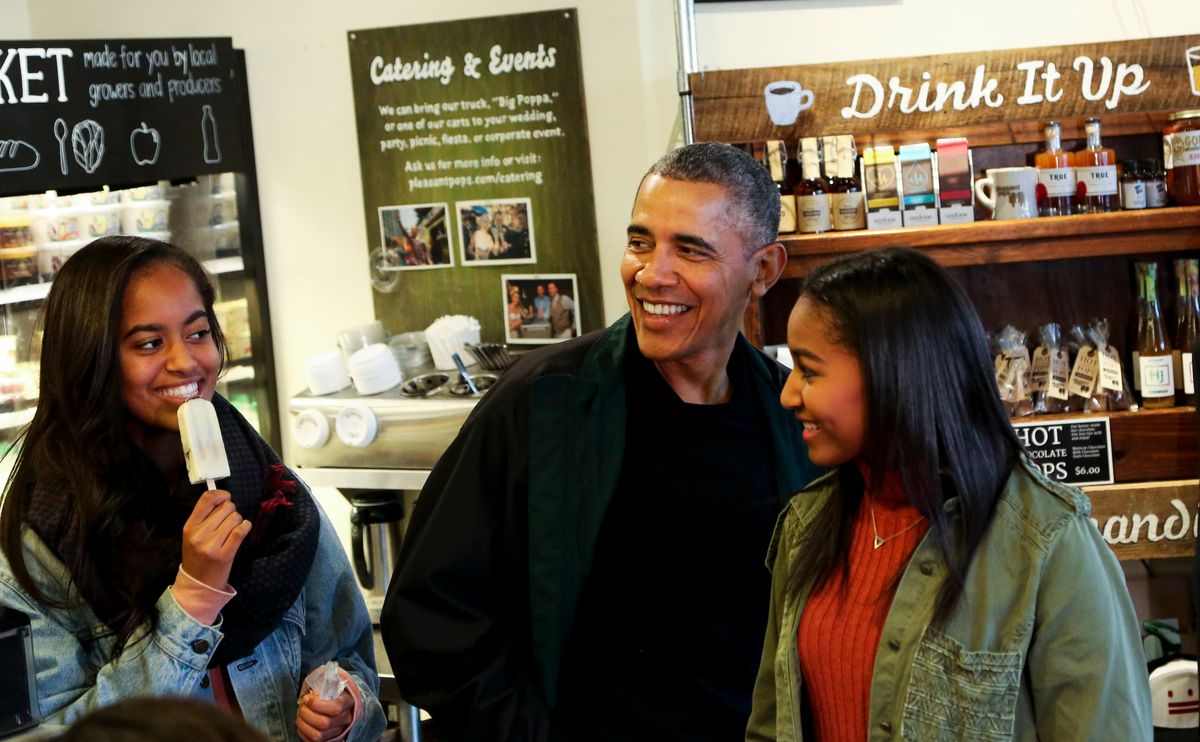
<point x="1009" y="192"/>
<point x="785" y="100"/>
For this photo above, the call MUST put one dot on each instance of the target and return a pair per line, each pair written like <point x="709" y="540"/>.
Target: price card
<point x="1077" y="452"/>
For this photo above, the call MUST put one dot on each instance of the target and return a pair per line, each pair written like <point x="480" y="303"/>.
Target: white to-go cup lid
<point x="356" y="425"/>
<point x="310" y="429"/>
<point x="326" y="372"/>
<point x="374" y="369"/>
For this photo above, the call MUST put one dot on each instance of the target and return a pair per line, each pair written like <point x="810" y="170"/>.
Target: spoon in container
<point x="462" y="370"/>
<point x="60" y="132"/>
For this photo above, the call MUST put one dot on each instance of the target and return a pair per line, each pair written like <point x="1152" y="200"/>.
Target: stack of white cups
<point x="326" y="373"/>
<point x="374" y="369"/>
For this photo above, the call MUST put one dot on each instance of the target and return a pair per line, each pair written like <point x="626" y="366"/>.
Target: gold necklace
<point x="881" y="540"/>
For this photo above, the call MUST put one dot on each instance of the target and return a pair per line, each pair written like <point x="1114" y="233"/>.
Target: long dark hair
<point x="933" y="413"/>
<point x="78" y="437"/>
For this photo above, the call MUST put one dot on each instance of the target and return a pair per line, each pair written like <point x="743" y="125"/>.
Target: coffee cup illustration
<point x="1193" y="62"/>
<point x="785" y="100"/>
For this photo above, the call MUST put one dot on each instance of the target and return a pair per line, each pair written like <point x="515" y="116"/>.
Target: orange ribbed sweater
<point x="839" y="630"/>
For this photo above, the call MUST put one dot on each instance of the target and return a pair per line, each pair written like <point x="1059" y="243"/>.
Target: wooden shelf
<point x="1174" y="229"/>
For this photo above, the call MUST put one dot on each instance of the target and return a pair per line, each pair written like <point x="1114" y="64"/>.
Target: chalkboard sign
<point x="1077" y="452"/>
<point x="80" y="114"/>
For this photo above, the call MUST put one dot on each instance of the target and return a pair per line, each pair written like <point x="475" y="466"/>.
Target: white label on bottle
<point x="1100" y="181"/>
<point x="1189" y="382"/>
<point x="847" y="211"/>
<point x="787" y="214"/>
<point x="812" y="213"/>
<point x="1086" y="372"/>
<point x="1133" y="195"/>
<point x="1059" y="181"/>
<point x="1110" y="370"/>
<point x="1156" y="193"/>
<point x="1157" y="376"/>
<point x="1060" y="371"/>
<point x="1182" y="149"/>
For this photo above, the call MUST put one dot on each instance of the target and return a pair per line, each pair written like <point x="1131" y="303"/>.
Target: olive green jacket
<point x="1043" y="644"/>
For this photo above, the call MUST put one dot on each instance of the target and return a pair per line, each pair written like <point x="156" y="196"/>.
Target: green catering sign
<point x="477" y="183"/>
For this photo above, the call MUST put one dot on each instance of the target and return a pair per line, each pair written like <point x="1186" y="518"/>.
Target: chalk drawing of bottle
<point x="212" y="145"/>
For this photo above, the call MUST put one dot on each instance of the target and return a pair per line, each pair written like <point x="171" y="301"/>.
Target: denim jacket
<point x="75" y="674"/>
<point x="1043" y="644"/>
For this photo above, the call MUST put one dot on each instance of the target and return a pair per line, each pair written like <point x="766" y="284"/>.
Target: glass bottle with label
<point x="1056" y="176"/>
<point x="829" y="162"/>
<point x="1187" y="323"/>
<point x="777" y="161"/>
<point x="1156" y="184"/>
<point x="846" y="202"/>
<point x="812" y="195"/>
<point x="1096" y="168"/>
<point x="1133" y="186"/>
<point x="1155" y="366"/>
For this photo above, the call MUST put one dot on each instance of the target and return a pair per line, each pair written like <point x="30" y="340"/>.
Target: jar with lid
<point x="1181" y="156"/>
<point x="1133" y="186"/>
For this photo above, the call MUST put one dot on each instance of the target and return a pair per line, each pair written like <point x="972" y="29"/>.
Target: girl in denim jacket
<point x="934" y="585"/>
<point x="138" y="583"/>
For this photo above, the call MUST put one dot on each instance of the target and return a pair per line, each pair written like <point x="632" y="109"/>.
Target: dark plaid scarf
<point x="270" y="568"/>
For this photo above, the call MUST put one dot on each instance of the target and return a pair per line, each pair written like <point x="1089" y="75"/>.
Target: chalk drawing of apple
<point x="144" y="142"/>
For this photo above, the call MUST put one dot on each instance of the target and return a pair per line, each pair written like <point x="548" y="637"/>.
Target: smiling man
<point x="586" y="561"/>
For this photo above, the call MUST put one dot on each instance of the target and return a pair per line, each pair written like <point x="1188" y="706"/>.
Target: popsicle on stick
<point x="203" y="448"/>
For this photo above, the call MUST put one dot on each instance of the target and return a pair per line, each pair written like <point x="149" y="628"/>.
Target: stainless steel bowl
<point x="424" y="385"/>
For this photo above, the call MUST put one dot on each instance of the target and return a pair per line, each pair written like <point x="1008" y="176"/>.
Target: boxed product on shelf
<point x="916" y="175"/>
<point x="956" y="195"/>
<point x="99" y="221"/>
<point x="234" y="318"/>
<point x="882" y="188"/>
<point x="155" y="192"/>
<point x="139" y="217"/>
<point x="56" y="225"/>
<point x="15" y="230"/>
<point x="19" y="266"/>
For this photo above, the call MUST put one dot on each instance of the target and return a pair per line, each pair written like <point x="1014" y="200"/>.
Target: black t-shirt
<point x="669" y="629"/>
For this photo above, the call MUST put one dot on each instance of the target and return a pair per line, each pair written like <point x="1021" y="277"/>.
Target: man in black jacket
<point x="586" y="560"/>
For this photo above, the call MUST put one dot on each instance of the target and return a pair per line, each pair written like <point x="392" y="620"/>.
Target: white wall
<point x="766" y="34"/>
<point x="14" y="19"/>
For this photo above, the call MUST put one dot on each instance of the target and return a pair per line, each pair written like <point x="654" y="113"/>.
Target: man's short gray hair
<point x="753" y="196"/>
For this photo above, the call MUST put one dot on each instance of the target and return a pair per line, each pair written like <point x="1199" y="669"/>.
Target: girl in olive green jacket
<point x="934" y="585"/>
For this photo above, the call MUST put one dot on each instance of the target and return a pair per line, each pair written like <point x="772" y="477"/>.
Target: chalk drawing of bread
<point x="17" y="155"/>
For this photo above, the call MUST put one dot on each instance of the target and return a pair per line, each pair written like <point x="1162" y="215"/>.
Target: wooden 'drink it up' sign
<point x="948" y="91"/>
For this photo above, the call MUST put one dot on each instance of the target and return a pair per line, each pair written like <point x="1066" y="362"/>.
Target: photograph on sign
<point x="540" y="308"/>
<point x="496" y="231"/>
<point x="414" y="237"/>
